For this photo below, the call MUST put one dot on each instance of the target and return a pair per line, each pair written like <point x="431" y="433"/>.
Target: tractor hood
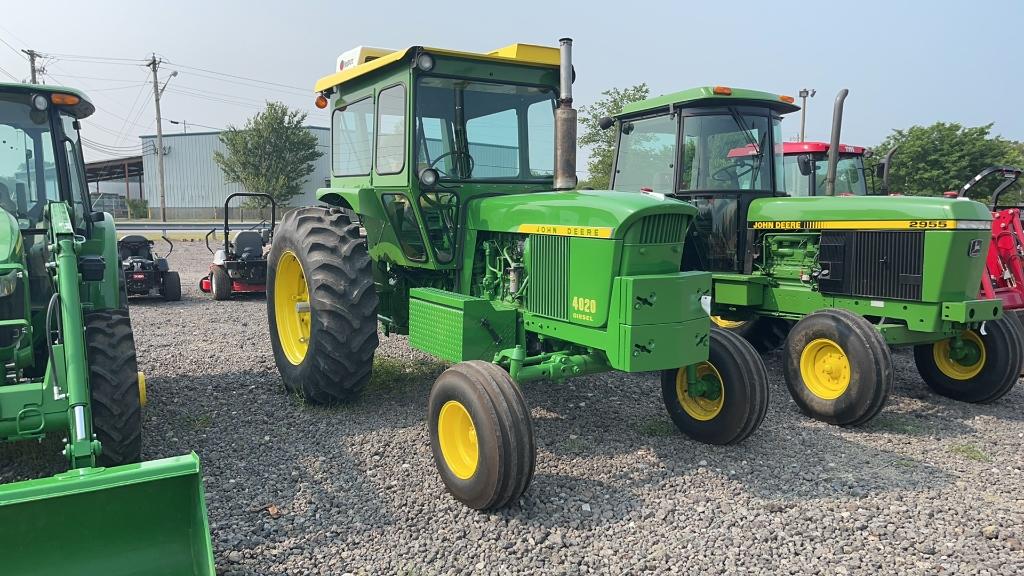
<point x="838" y="210"/>
<point x="10" y="239"/>
<point x="588" y="213"/>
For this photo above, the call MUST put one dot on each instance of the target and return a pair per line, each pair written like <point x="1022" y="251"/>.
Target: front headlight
<point x="9" y="283"/>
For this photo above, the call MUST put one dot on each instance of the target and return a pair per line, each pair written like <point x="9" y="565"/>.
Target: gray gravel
<point x="931" y="486"/>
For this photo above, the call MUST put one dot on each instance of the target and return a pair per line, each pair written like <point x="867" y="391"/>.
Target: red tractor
<point x="1005" y="278"/>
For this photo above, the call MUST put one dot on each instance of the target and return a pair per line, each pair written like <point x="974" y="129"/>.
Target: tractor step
<point x="145" y="518"/>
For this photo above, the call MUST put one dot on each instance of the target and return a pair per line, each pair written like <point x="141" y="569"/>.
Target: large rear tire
<point x="171" y="289"/>
<point x="838" y="368"/>
<point x="114" y="386"/>
<point x="731" y="404"/>
<point x="220" y="283"/>
<point x="986" y="374"/>
<point x="764" y="332"/>
<point x="322" y="305"/>
<point x="481" y="435"/>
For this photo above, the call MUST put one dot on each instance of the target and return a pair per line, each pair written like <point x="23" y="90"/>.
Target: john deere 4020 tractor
<point x="69" y="369"/>
<point x="461" y="168"/>
<point x="856" y="273"/>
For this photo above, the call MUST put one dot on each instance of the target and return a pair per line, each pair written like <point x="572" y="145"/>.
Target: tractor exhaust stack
<point x="565" y="123"/>
<point x="833" y="148"/>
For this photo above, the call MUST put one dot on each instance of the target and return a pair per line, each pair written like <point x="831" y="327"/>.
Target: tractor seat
<point x="134" y="246"/>
<point x="248" y="245"/>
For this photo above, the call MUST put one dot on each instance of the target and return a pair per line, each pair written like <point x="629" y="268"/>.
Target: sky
<point x="905" y="63"/>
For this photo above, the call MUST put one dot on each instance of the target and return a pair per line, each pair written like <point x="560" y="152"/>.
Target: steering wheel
<point x="454" y="153"/>
<point x="738" y="170"/>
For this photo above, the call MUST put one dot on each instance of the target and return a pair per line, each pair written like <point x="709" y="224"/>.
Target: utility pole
<point x="158" y="91"/>
<point x="36" y="71"/>
<point x="804" y="94"/>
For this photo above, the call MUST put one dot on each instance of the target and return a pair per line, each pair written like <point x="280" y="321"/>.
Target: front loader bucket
<point x="147" y="518"/>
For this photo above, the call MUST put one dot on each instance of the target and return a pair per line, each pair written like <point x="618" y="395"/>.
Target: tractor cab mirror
<point x="626" y="128"/>
<point x="605" y="123"/>
<point x="96" y="217"/>
<point x="806" y="164"/>
<point x="880" y="169"/>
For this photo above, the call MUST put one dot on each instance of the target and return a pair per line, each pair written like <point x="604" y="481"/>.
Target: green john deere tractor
<point x="461" y="169"/>
<point x="856" y="274"/>
<point x="69" y="369"/>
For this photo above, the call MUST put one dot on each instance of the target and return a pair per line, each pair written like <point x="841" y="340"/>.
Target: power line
<point x="140" y="61"/>
<point x="8" y="74"/>
<point x="13" y="49"/>
<point x="239" y="77"/>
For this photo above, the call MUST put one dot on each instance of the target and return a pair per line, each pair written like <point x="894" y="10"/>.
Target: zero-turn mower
<point x="837" y="278"/>
<point x="240" y="267"/>
<point x="69" y="370"/>
<point x="461" y="167"/>
<point x="145" y="271"/>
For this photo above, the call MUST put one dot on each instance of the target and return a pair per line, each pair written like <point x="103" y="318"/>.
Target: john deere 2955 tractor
<point x="856" y="273"/>
<point x="461" y="168"/>
<point x="69" y="369"/>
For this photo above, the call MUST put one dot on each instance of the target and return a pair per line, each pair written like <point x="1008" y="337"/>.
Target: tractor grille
<point x="878" y="264"/>
<point x="549" y="276"/>
<point x="662" y="229"/>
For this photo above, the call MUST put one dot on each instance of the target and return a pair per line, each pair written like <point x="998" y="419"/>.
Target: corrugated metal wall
<point x="193" y="183"/>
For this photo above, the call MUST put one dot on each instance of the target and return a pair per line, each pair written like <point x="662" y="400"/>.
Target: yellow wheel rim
<point x="728" y="324"/>
<point x="953" y="368"/>
<point x="699" y="407"/>
<point x="825" y="369"/>
<point x="142" y="389"/>
<point x="457" y="436"/>
<point x="291" y="308"/>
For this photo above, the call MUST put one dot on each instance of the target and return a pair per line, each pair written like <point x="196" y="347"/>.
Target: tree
<point x="602" y="142"/>
<point x="941" y="157"/>
<point x="273" y="153"/>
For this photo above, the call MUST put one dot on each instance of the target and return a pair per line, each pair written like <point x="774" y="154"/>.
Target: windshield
<point x="849" y="175"/>
<point x="728" y="151"/>
<point x="470" y="131"/>
<point x="28" y="173"/>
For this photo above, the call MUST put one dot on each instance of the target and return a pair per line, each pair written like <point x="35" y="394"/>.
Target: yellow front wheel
<point x="838" y="367"/>
<point x="481" y="435"/>
<point x="291" y="307"/>
<point x="982" y="365"/>
<point x="722" y="400"/>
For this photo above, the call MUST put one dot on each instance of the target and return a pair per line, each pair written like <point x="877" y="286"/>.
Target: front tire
<point x="171" y="289"/>
<point x="114" y="386"/>
<point x="986" y="373"/>
<point x="838" y="368"/>
<point x="732" y="400"/>
<point x="322" y="305"/>
<point x="481" y="435"/>
<point x="220" y="283"/>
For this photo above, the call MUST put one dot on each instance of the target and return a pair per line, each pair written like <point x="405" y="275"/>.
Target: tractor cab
<point x="718" y="148"/>
<point x="66" y="347"/>
<point x="806" y="166"/>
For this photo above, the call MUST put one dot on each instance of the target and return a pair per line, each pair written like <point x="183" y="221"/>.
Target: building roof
<point x="518" y="53"/>
<point x="83" y="109"/>
<point x="710" y="95"/>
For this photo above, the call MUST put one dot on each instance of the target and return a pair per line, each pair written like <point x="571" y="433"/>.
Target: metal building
<point x="194" y="184"/>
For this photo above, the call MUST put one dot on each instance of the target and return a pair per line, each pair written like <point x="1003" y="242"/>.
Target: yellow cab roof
<point x="518" y="53"/>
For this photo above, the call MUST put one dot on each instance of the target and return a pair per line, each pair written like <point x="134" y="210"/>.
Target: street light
<point x="804" y="95"/>
<point x="184" y="124"/>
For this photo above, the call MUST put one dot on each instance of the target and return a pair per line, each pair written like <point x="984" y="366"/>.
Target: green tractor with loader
<point x="836" y="278"/>
<point x="69" y="369"/>
<point x="473" y="241"/>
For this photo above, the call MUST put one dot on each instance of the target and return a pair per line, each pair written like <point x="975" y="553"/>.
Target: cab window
<point x="391" y="130"/>
<point x="352" y="138"/>
<point x="76" y="172"/>
<point x="646" y="155"/>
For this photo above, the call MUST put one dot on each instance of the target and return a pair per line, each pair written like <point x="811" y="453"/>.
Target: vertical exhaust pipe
<point x="886" y="167"/>
<point x="833" y="147"/>
<point x="565" y="123"/>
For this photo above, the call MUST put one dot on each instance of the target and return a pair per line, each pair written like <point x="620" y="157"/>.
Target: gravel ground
<point x="930" y="486"/>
